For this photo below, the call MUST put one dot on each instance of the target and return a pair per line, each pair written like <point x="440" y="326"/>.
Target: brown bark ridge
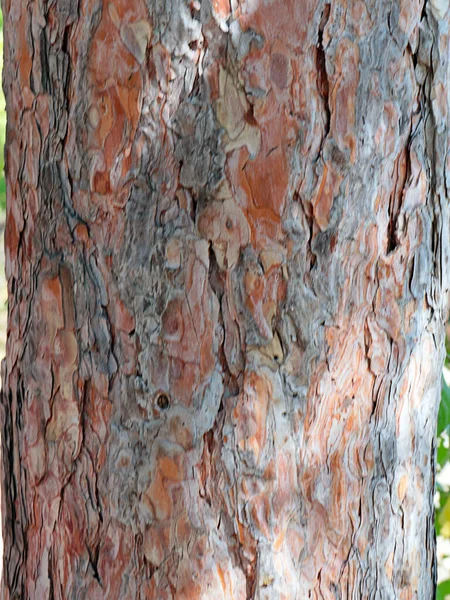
<point x="227" y="257"/>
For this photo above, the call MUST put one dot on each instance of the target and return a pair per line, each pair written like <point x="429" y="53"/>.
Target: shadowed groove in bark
<point x="93" y="561"/>
<point x="323" y="84"/>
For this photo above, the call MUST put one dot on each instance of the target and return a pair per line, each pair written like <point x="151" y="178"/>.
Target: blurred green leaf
<point x="444" y="408"/>
<point x="443" y="520"/>
<point x="443" y="590"/>
<point x="443" y="453"/>
<point x="439" y="522"/>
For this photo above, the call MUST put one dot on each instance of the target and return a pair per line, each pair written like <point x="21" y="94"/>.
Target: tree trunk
<point x="227" y="254"/>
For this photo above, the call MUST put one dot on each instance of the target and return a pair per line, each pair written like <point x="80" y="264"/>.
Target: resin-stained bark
<point x="227" y="257"/>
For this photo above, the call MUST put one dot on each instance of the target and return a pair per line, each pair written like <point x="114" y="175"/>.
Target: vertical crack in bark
<point x="309" y="217"/>
<point x="250" y="572"/>
<point x="93" y="561"/>
<point x="51" y="591"/>
<point x="45" y="69"/>
<point x="396" y="199"/>
<point x="402" y="180"/>
<point x="19" y="549"/>
<point x="13" y="533"/>
<point x="207" y="466"/>
<point x="322" y="76"/>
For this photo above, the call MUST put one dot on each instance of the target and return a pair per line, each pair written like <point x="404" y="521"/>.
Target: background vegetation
<point x="2" y="128"/>
<point x="442" y="499"/>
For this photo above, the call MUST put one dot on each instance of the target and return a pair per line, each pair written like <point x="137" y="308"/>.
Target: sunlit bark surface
<point x="227" y="256"/>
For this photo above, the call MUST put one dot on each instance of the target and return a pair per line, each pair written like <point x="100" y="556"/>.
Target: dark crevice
<point x="414" y="57"/>
<point x="367" y="340"/>
<point x="207" y="466"/>
<point x="194" y="205"/>
<point x="68" y="64"/>
<point x="309" y="216"/>
<point x="398" y="193"/>
<point x="389" y="22"/>
<point x="51" y="590"/>
<point x="250" y="116"/>
<point x="151" y="569"/>
<point x="322" y="76"/>
<point x="392" y="225"/>
<point x="33" y="53"/>
<point x="215" y="276"/>
<point x="250" y="579"/>
<point x="194" y="11"/>
<point x="216" y="279"/>
<point x="396" y="199"/>
<point x="45" y="68"/>
<point x="65" y="40"/>
<point x="424" y="12"/>
<point x="93" y="561"/>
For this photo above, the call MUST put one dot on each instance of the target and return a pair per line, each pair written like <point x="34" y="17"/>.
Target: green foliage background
<point x="442" y="522"/>
<point x="2" y="128"/>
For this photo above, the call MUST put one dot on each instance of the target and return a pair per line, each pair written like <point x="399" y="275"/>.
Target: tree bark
<point x="227" y="253"/>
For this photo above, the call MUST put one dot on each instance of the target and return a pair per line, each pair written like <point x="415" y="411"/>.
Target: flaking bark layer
<point x="227" y="256"/>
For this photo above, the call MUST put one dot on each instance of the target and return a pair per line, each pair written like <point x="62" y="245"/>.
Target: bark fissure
<point x="323" y="82"/>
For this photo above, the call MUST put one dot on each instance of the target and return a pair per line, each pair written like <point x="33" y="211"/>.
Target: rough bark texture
<point x="227" y="257"/>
